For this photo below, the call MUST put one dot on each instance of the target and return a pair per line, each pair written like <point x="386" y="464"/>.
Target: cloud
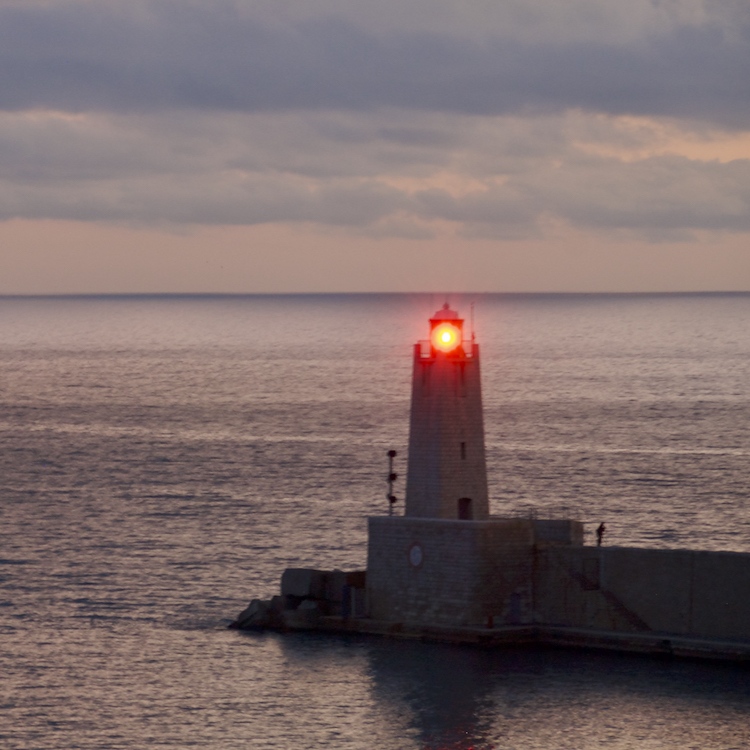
<point x="380" y="118"/>
<point x="147" y="56"/>
<point x="658" y="197"/>
<point x="388" y="174"/>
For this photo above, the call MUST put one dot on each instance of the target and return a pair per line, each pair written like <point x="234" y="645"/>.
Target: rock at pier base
<point x="306" y="596"/>
<point x="258" y="615"/>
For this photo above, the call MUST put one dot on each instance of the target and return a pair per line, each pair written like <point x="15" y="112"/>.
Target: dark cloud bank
<point x="82" y="56"/>
<point x="210" y="112"/>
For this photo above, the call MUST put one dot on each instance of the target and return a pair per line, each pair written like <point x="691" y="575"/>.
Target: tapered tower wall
<point x="447" y="473"/>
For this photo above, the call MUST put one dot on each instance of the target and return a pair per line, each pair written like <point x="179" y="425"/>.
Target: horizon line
<point x="62" y="295"/>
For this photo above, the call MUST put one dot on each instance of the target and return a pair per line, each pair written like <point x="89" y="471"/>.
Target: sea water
<point x="163" y="459"/>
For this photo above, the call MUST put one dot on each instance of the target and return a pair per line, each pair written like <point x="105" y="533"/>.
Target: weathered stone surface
<point x="307" y="595"/>
<point x="336" y="580"/>
<point x="307" y="615"/>
<point x="449" y="572"/>
<point x="278" y="604"/>
<point x="446" y="437"/>
<point x="256" y="615"/>
<point x="682" y="592"/>
<point x="303" y="582"/>
<point x="356" y="579"/>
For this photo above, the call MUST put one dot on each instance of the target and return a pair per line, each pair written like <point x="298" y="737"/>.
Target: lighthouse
<point x="447" y="472"/>
<point x="445" y="561"/>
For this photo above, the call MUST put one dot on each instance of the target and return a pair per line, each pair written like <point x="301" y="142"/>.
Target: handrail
<point x="426" y="350"/>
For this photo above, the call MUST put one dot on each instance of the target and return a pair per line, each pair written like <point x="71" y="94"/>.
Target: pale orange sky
<point x="53" y="257"/>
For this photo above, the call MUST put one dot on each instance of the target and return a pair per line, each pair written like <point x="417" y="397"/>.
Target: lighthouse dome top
<point x="445" y="313"/>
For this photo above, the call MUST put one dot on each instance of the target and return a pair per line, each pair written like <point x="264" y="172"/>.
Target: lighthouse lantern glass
<point x="446" y="337"/>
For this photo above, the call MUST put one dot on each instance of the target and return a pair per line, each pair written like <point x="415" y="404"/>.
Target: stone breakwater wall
<point x="466" y="573"/>
<point x="680" y="592"/>
<point x="521" y="581"/>
<point x="520" y="572"/>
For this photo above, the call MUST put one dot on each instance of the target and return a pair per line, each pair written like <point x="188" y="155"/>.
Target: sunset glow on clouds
<point x="574" y="145"/>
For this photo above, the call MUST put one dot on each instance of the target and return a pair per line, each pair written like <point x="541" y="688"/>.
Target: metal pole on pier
<point x="392" y="477"/>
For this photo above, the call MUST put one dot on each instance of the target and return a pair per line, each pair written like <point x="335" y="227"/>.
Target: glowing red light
<point x="446" y="337"/>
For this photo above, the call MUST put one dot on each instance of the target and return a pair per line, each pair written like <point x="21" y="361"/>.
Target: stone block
<point x="336" y="580"/>
<point x="303" y="582"/>
<point x="278" y="604"/>
<point x="255" y="615"/>
<point x="357" y="579"/>
<point x="306" y="616"/>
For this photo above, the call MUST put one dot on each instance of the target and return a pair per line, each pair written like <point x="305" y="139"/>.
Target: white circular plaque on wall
<point x="415" y="555"/>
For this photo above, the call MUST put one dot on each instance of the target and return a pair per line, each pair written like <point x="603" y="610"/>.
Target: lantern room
<point x="446" y="331"/>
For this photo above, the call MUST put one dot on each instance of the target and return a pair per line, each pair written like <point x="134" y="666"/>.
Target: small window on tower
<point x="463" y="451"/>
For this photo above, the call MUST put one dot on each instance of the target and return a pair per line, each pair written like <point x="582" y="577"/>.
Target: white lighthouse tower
<point x="447" y="473"/>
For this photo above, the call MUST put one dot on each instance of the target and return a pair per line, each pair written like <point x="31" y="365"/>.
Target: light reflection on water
<point x="546" y="698"/>
<point x="163" y="460"/>
<point x="152" y="685"/>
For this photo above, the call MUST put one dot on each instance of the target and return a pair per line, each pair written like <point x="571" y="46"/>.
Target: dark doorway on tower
<point x="464" y="509"/>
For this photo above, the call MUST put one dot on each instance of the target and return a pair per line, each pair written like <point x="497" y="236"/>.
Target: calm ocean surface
<point x="162" y="460"/>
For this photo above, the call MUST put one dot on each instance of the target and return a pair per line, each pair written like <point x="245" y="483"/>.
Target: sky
<point x="252" y="146"/>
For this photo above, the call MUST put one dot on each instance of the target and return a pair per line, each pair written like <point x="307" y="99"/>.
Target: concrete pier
<point x="677" y="603"/>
